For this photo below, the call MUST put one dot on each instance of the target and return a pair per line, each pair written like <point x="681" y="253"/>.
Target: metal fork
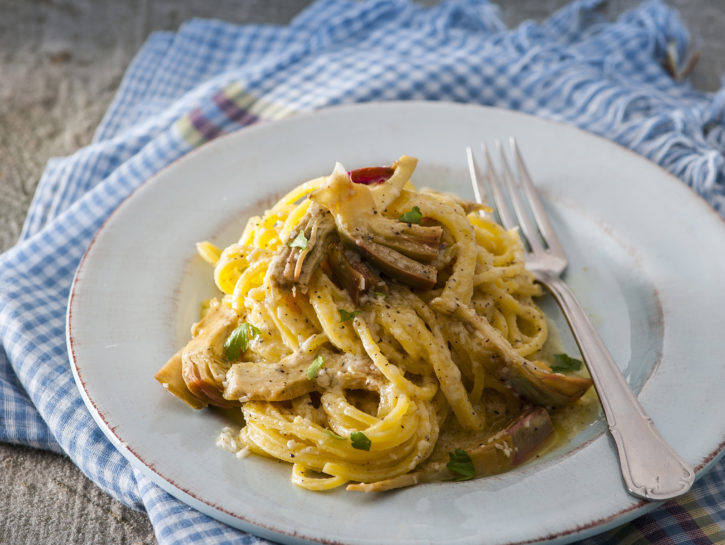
<point x="650" y="467"/>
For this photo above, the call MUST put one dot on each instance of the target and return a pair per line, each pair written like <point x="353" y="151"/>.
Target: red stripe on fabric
<point x="652" y="531"/>
<point x="202" y="124"/>
<point x="233" y="111"/>
<point x="688" y="524"/>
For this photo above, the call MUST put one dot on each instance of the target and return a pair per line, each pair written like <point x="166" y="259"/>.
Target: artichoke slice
<point x="415" y="241"/>
<point x="399" y="249"/>
<point x="203" y="363"/>
<point x="527" y="378"/>
<point x="396" y="265"/>
<point x="543" y="386"/>
<point x="171" y="378"/>
<point x="289" y="378"/>
<point x="528" y="435"/>
<point x="351" y="273"/>
<point x="294" y="265"/>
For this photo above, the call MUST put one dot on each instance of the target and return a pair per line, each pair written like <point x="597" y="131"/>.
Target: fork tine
<point x="528" y="227"/>
<point x="494" y="180"/>
<point x="547" y="231"/>
<point x="478" y="191"/>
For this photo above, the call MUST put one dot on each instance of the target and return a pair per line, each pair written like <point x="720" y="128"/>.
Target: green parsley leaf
<point x="315" y="367"/>
<point x="412" y="216"/>
<point x="360" y="441"/>
<point x="461" y="464"/>
<point x="346" y="316"/>
<point x="300" y="241"/>
<point x="564" y="363"/>
<point x="238" y="340"/>
<point x="379" y="294"/>
<point x="332" y="434"/>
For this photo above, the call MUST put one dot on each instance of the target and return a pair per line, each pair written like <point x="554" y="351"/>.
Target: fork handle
<point x="650" y="467"/>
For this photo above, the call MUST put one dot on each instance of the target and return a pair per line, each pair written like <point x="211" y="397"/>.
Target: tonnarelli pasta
<point x="375" y="336"/>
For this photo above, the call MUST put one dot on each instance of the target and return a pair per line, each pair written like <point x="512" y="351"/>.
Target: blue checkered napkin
<point x="210" y="78"/>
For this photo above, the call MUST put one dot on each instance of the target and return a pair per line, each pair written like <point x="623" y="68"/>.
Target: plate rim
<point x="234" y="519"/>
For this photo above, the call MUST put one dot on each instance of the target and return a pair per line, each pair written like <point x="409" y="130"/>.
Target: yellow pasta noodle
<point x="375" y="335"/>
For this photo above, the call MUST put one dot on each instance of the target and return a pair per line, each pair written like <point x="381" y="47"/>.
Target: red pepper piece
<point x="371" y="175"/>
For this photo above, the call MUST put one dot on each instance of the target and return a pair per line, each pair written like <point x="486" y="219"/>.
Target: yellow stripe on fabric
<point x="188" y="132"/>
<point x="256" y="106"/>
<point x="699" y="514"/>
<point x="629" y="535"/>
<point x="672" y="526"/>
<point x="242" y="107"/>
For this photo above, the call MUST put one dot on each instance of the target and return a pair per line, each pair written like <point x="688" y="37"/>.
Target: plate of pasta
<point x="322" y="339"/>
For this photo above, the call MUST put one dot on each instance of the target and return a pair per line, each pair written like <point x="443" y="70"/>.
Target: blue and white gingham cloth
<point x="210" y="78"/>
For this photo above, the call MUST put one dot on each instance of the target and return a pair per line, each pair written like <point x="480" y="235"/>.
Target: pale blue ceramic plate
<point x="646" y="262"/>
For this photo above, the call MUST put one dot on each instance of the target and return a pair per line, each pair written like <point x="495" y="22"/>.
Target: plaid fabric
<point x="210" y="78"/>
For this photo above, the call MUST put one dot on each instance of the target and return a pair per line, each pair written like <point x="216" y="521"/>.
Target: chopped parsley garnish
<point x="238" y="340"/>
<point x="314" y="368"/>
<point x="461" y="464"/>
<point x="412" y="216"/>
<point x="346" y="316"/>
<point x="360" y="441"/>
<point x="332" y="434"/>
<point x="300" y="241"/>
<point x="564" y="363"/>
<point x="379" y="294"/>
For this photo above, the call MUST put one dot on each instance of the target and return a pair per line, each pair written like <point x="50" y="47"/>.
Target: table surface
<point x="60" y="65"/>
